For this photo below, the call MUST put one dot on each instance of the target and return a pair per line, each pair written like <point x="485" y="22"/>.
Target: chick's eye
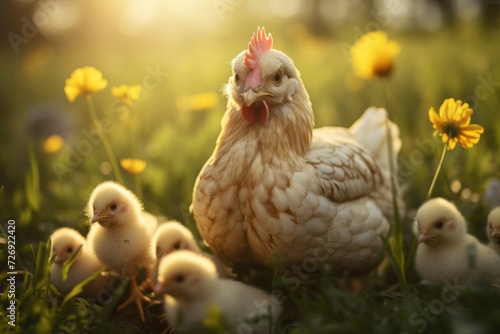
<point x="113" y="206"/>
<point x="439" y="225"/>
<point x="236" y="78"/>
<point x="278" y="77"/>
<point x="69" y="250"/>
<point x="177" y="245"/>
<point x="179" y="278"/>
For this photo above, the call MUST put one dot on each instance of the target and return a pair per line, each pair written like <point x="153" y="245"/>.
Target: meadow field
<point x="180" y="53"/>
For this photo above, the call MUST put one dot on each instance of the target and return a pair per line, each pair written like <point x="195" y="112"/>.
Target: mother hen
<point x="276" y="187"/>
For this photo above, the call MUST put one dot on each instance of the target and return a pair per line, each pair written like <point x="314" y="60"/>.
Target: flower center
<point x="452" y="130"/>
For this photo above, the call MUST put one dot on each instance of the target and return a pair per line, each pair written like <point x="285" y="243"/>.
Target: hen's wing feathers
<point x="345" y="169"/>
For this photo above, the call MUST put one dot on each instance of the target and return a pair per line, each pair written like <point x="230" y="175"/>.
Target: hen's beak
<point x="250" y="96"/>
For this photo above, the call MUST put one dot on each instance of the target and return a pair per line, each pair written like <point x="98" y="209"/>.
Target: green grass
<point x="176" y="140"/>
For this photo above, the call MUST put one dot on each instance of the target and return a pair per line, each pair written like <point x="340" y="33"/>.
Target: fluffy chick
<point x="193" y="289"/>
<point x="173" y="236"/>
<point x="493" y="229"/>
<point x="65" y="242"/>
<point x="446" y="251"/>
<point x="122" y="237"/>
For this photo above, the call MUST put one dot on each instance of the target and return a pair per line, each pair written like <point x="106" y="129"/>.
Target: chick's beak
<point x="59" y="259"/>
<point x="160" y="288"/>
<point x="423" y="237"/>
<point x="250" y="96"/>
<point x="100" y="217"/>
<point x="495" y="234"/>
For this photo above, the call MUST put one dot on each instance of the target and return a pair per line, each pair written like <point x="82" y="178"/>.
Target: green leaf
<point x="68" y="263"/>
<point x="110" y="306"/>
<point x="79" y="287"/>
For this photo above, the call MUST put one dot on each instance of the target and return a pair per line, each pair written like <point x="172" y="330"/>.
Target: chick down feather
<point x="446" y="252"/>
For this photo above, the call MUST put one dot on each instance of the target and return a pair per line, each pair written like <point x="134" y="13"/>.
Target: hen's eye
<point x="179" y="278"/>
<point x="113" y="206"/>
<point x="277" y="78"/>
<point x="236" y="78"/>
<point x="439" y="225"/>
<point x="177" y="245"/>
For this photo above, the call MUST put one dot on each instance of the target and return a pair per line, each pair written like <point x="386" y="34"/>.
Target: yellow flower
<point x="133" y="166"/>
<point x="198" y="102"/>
<point x="213" y="320"/>
<point x="373" y="55"/>
<point x="52" y="144"/>
<point x="204" y="101"/>
<point x="127" y="94"/>
<point x="452" y="124"/>
<point x="84" y="81"/>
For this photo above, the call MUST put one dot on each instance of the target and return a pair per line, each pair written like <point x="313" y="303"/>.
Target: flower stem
<point x="438" y="169"/>
<point x="107" y="146"/>
<point x="138" y="188"/>
<point x="396" y="240"/>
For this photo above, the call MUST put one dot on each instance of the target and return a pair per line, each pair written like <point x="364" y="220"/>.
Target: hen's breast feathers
<point x="275" y="207"/>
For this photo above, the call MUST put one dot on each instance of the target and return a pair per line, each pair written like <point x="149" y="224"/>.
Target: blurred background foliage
<point x="179" y="51"/>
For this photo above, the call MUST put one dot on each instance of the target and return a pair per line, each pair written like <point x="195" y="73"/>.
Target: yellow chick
<point x="446" y="251"/>
<point x="193" y="291"/>
<point x="493" y="229"/>
<point x="122" y="237"/>
<point x="65" y="242"/>
<point x="173" y="236"/>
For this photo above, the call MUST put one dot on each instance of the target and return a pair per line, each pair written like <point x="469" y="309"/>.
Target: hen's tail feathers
<point x="370" y="131"/>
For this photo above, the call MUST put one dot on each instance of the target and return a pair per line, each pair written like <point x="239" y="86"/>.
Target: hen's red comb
<point x="259" y="44"/>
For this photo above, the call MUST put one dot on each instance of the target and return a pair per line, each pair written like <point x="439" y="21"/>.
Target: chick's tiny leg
<point x="137" y="297"/>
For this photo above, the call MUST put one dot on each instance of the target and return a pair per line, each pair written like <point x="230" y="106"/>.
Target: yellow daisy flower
<point x="373" y="55"/>
<point x="453" y="124"/>
<point x="84" y="81"/>
<point x="127" y="94"/>
<point x="52" y="144"/>
<point x="133" y="166"/>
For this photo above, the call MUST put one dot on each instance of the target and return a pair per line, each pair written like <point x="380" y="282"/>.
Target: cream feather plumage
<point x="193" y="288"/>
<point x="172" y="236"/>
<point x="446" y="251"/>
<point x="278" y="187"/>
<point x="493" y="229"/>
<point x="65" y="242"/>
